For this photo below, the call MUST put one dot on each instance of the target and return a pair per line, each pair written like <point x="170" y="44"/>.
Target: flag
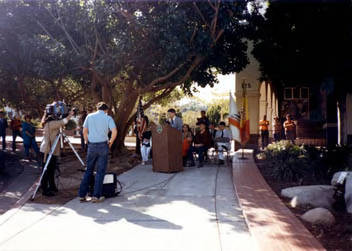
<point x="234" y="120"/>
<point x="244" y="123"/>
<point x="141" y="123"/>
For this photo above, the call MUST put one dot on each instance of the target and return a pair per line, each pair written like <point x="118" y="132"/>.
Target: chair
<point x="227" y="152"/>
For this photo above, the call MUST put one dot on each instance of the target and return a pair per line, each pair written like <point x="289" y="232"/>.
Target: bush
<point x="287" y="160"/>
<point x="291" y="162"/>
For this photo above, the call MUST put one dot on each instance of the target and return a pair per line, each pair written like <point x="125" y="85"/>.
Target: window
<point x="304" y="92"/>
<point x="288" y="92"/>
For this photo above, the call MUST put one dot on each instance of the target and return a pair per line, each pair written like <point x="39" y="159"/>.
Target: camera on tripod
<point x="59" y="110"/>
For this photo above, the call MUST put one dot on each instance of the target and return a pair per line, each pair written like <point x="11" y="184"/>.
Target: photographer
<point x="51" y="130"/>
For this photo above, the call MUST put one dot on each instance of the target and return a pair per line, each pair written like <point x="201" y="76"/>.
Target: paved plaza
<point x="196" y="209"/>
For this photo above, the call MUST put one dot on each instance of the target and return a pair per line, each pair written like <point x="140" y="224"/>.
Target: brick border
<point x="270" y="222"/>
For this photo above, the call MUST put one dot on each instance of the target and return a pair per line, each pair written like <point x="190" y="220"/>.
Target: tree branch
<point x="200" y="14"/>
<point x="165" y="93"/>
<point x="194" y="65"/>
<point x="163" y="78"/>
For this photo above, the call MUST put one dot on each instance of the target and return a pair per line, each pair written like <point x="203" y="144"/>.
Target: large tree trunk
<point x="122" y="116"/>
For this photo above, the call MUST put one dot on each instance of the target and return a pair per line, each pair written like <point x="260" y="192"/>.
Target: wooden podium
<point x="167" y="149"/>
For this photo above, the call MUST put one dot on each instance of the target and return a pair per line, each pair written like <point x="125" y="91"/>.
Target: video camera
<point x="59" y="110"/>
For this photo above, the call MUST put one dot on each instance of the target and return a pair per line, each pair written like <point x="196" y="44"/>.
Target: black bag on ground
<point x="111" y="186"/>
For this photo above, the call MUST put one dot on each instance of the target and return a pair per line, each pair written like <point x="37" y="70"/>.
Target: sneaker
<point x="84" y="199"/>
<point x="143" y="163"/>
<point x="98" y="200"/>
<point x="200" y="165"/>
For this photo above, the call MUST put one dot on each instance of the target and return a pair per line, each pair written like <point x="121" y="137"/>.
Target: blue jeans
<point x="200" y="150"/>
<point x="97" y="154"/>
<point x="31" y="143"/>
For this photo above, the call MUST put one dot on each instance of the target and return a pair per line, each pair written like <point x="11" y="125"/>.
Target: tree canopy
<point x="304" y="42"/>
<point x="117" y="51"/>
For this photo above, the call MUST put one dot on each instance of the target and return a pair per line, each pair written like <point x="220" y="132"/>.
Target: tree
<point x="214" y="114"/>
<point x="120" y="50"/>
<point x="304" y="42"/>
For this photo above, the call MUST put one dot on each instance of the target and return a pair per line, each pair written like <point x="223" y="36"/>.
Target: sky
<point x="219" y="91"/>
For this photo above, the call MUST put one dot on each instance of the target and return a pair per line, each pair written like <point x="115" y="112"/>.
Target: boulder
<point x="348" y="194"/>
<point x="339" y="177"/>
<point x="316" y="196"/>
<point x="319" y="216"/>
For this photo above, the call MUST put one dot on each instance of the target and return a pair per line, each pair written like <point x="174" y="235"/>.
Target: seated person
<point x="202" y="142"/>
<point x="222" y="141"/>
<point x="187" y="139"/>
<point x="212" y="132"/>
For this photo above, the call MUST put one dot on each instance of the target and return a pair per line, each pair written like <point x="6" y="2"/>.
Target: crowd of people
<point x="197" y="141"/>
<point x="285" y="130"/>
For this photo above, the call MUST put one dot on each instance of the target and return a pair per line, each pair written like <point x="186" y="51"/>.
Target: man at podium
<point x="174" y="121"/>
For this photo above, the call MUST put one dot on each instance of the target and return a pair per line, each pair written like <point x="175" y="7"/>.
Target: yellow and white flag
<point x="244" y="122"/>
<point x="234" y="120"/>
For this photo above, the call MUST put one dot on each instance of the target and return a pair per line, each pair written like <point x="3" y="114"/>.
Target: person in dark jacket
<point x="15" y="125"/>
<point x="28" y="135"/>
<point x="202" y="142"/>
<point x="3" y="126"/>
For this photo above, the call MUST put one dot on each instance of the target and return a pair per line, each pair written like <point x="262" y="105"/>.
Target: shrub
<point x="291" y="162"/>
<point x="287" y="160"/>
<point x="336" y="158"/>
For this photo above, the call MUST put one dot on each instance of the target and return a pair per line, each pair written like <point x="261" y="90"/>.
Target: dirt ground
<point x="336" y="237"/>
<point x="71" y="174"/>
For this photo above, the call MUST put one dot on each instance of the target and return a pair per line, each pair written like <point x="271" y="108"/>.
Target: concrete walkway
<point x="192" y="210"/>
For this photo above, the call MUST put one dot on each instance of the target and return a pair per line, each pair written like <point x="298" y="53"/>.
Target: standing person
<point x="3" y="126"/>
<point x="51" y="129"/>
<point x="222" y="141"/>
<point x="175" y="122"/>
<point x="202" y="142"/>
<point x="95" y="131"/>
<point x="277" y="129"/>
<point x="15" y="126"/>
<point x="82" y="118"/>
<point x="28" y="135"/>
<point x="264" y="131"/>
<point x="138" y="141"/>
<point x="204" y="118"/>
<point x="146" y="140"/>
<point x="290" y="129"/>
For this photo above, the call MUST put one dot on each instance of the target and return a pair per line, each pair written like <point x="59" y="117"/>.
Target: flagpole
<point x="244" y="92"/>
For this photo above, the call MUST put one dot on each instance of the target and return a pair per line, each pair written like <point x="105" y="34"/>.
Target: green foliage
<point x="304" y="41"/>
<point x="190" y="118"/>
<point x="287" y="161"/>
<point x="292" y="162"/>
<point x="214" y="114"/>
<point x="116" y="51"/>
<point x="218" y="110"/>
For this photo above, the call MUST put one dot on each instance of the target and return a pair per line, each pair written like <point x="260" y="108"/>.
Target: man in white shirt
<point x="222" y="141"/>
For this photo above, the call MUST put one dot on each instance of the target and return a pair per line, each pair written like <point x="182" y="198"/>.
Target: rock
<point x="348" y="194"/>
<point x="319" y="216"/>
<point x="337" y="176"/>
<point x="316" y="196"/>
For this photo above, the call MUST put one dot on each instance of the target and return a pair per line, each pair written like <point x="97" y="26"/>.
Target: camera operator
<point x="51" y="130"/>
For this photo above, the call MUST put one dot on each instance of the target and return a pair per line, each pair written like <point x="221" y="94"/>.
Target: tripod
<point x="61" y="136"/>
